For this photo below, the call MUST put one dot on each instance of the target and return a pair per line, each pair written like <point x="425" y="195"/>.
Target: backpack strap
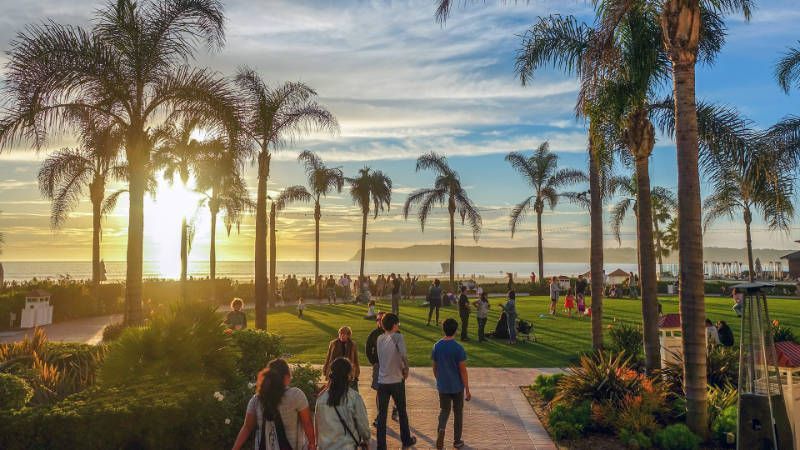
<point x="346" y="428"/>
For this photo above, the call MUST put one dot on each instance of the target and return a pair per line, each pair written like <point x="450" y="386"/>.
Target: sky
<point x="400" y="85"/>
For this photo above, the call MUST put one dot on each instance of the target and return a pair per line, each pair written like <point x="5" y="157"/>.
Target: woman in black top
<point x="725" y="334"/>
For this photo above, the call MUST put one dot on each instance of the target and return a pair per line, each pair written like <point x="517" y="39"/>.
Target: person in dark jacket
<point x="463" y="312"/>
<point x="372" y="356"/>
<point x="434" y="300"/>
<point x="725" y="334"/>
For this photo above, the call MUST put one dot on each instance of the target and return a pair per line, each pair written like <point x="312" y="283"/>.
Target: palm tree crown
<point x="369" y="189"/>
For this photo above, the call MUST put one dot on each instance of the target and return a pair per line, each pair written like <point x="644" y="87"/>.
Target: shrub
<point x="306" y="377"/>
<point x="545" y="385"/>
<point x="781" y="333"/>
<point x="188" y="340"/>
<point x="257" y="348"/>
<point x="600" y="377"/>
<point x="626" y="338"/>
<point x="677" y="437"/>
<point x="635" y="440"/>
<point x="14" y="392"/>
<point x="724" y="423"/>
<point x="720" y="399"/>
<point x="112" y="331"/>
<point x="723" y="366"/>
<point x="569" y="422"/>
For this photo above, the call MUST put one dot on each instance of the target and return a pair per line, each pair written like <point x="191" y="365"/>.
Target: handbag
<point x="360" y="445"/>
<point x="280" y="433"/>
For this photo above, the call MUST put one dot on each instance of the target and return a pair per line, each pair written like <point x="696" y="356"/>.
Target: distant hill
<point x="440" y="253"/>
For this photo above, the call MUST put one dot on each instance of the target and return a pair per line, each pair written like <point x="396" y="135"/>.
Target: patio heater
<point x="763" y="421"/>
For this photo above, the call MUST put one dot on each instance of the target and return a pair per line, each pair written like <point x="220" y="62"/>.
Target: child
<point x="300" y="307"/>
<point x="553" y="295"/>
<point x="569" y="303"/>
<point x="580" y="300"/>
<point x="371" y="314"/>
<point x="236" y="319"/>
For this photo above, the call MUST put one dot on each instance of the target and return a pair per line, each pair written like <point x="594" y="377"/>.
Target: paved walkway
<point x="498" y="417"/>
<point x="89" y="330"/>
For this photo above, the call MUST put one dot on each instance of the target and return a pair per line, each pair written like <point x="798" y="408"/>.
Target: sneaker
<point x="411" y="443"/>
<point x="458" y="444"/>
<point x="440" y="440"/>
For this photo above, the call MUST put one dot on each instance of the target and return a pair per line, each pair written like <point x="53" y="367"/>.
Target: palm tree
<point x="446" y="189"/>
<point x="746" y="182"/>
<point x="129" y="68"/>
<point x="541" y="172"/>
<point x="289" y="195"/>
<point x="321" y="181"/>
<point x="664" y="207"/>
<point x="785" y="135"/>
<point x="67" y="174"/>
<point x="787" y="70"/>
<point x="273" y="117"/>
<point x="369" y="189"/>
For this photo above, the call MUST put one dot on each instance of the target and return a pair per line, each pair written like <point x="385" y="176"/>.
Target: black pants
<point x="482" y="329"/>
<point x="396" y="391"/>
<point x="464" y="326"/>
<point x="431" y="307"/>
<point x="456" y="402"/>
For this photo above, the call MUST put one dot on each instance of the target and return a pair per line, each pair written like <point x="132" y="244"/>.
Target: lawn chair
<point x="525" y="331"/>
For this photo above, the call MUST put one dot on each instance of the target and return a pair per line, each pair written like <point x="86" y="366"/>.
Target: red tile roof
<point x="788" y="354"/>
<point x="672" y="320"/>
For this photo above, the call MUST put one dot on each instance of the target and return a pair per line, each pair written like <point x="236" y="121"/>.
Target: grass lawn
<point x="560" y="339"/>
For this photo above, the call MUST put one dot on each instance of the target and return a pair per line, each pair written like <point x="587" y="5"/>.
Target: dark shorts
<point x="374" y="377"/>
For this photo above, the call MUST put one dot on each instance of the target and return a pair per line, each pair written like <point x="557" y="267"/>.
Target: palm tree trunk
<point x="97" y="216"/>
<point x="596" y="251"/>
<point x="273" y="258"/>
<point x="452" y="250"/>
<point x="133" y="275"/>
<point x="363" y="243"/>
<point x="261" y="284"/>
<point x="692" y="301"/>
<point x="184" y="257"/>
<point x="647" y="264"/>
<point x="540" y="251"/>
<point x="212" y="256"/>
<point x="317" y="217"/>
<point x="748" y="218"/>
<point x="658" y="248"/>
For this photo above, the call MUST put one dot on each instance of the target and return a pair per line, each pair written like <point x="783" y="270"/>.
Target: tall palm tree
<point x="785" y="135"/>
<point x="273" y="117"/>
<point x="624" y="187"/>
<point x="446" y="189"/>
<point x="370" y="189"/>
<point x="787" y="70"/>
<point x="129" y="68"/>
<point x="67" y="174"/>
<point x="321" y="181"/>
<point x="176" y="149"/>
<point x="664" y="208"/>
<point x="746" y="182"/>
<point x="289" y="195"/>
<point x="540" y="170"/>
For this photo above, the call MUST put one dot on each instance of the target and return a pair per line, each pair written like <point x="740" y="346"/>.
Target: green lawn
<point x="560" y="339"/>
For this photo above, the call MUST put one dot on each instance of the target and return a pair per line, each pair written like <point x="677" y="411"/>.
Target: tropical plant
<point x="129" y="69"/>
<point x="447" y="189"/>
<point x="541" y="172"/>
<point x="321" y="180"/>
<point x="677" y="437"/>
<point x="628" y="339"/>
<point x="289" y="195"/>
<point x="273" y="117"/>
<point x="370" y="189"/>
<point x="257" y="348"/>
<point x="787" y="70"/>
<point x="546" y="385"/>
<point x="663" y="217"/>
<point x="15" y="392"/>
<point x="600" y="377"/>
<point x="67" y="174"/>
<point x="747" y="181"/>
<point x="569" y="421"/>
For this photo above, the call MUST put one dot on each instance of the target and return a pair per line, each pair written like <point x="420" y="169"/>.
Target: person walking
<point x="553" y="295"/>
<point x="343" y="346"/>
<point x="738" y="302"/>
<point x="371" y="350"/>
<point x="341" y="417"/>
<point x="330" y="287"/>
<point x="278" y="412"/>
<point x="482" y="307"/>
<point x="434" y="300"/>
<point x="397" y="284"/>
<point x="510" y="308"/>
<point x="344" y="283"/>
<point x="407" y="286"/>
<point x="392" y="374"/>
<point x="452" y="382"/>
<point x="463" y="312"/>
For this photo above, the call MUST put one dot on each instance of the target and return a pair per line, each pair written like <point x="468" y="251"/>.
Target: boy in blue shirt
<point x="450" y="370"/>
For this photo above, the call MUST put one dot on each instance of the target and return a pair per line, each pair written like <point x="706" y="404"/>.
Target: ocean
<point x="243" y="270"/>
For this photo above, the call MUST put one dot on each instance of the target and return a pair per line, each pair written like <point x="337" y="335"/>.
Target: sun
<point x="164" y="216"/>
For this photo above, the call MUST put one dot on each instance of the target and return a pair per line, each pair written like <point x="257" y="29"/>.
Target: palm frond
<point x="554" y="40"/>
<point x="519" y="212"/>
<point x="618" y="213"/>
<point x="292" y="194"/>
<point x="787" y="70"/>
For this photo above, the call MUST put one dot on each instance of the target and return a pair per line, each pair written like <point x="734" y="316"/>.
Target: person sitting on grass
<point x="371" y="311"/>
<point x="569" y="303"/>
<point x="301" y="306"/>
<point x="343" y="346"/>
<point x="452" y="382"/>
<point x="341" y="417"/>
<point x="712" y="336"/>
<point x="236" y="319"/>
<point x="279" y="413"/>
<point x="725" y="334"/>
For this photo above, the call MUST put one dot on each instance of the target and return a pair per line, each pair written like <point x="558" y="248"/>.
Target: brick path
<point x="498" y="417"/>
<point x="88" y="330"/>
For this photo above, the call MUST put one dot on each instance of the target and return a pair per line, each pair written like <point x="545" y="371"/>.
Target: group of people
<point x="575" y="298"/>
<point x="282" y="419"/>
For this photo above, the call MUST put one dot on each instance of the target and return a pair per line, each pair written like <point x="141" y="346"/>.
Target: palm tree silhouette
<point x="447" y="190"/>
<point x="273" y="117"/>
<point x="288" y="195"/>
<point x="370" y="189"/>
<point x="130" y="68"/>
<point x="541" y="172"/>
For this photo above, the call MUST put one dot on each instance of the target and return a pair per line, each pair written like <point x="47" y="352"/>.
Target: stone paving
<point x="88" y="330"/>
<point x="498" y="417"/>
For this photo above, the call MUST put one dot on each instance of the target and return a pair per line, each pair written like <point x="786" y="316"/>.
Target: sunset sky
<point x="400" y="84"/>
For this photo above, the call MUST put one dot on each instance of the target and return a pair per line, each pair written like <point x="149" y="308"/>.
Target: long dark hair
<point x="340" y="380"/>
<point x="270" y="388"/>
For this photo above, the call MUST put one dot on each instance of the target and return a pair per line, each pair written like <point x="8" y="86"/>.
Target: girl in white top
<point x="341" y="417"/>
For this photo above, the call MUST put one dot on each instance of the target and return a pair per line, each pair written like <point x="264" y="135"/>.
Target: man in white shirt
<point x="392" y="373"/>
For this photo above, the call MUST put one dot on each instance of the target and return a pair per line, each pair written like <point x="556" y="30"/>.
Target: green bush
<point x="781" y="333"/>
<point x="724" y="423"/>
<point x="568" y="421"/>
<point x="600" y="377"/>
<point x="627" y="338"/>
<point x="720" y="399"/>
<point x="112" y="331"/>
<point x="190" y="340"/>
<point x="677" y="437"/>
<point x="635" y="440"/>
<point x="307" y="378"/>
<point x="723" y="366"/>
<point x="545" y="385"/>
<point x="14" y="392"/>
<point x="257" y="348"/>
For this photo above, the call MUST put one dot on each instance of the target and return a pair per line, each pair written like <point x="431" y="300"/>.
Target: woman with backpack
<point x="279" y="413"/>
<point x="341" y="417"/>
